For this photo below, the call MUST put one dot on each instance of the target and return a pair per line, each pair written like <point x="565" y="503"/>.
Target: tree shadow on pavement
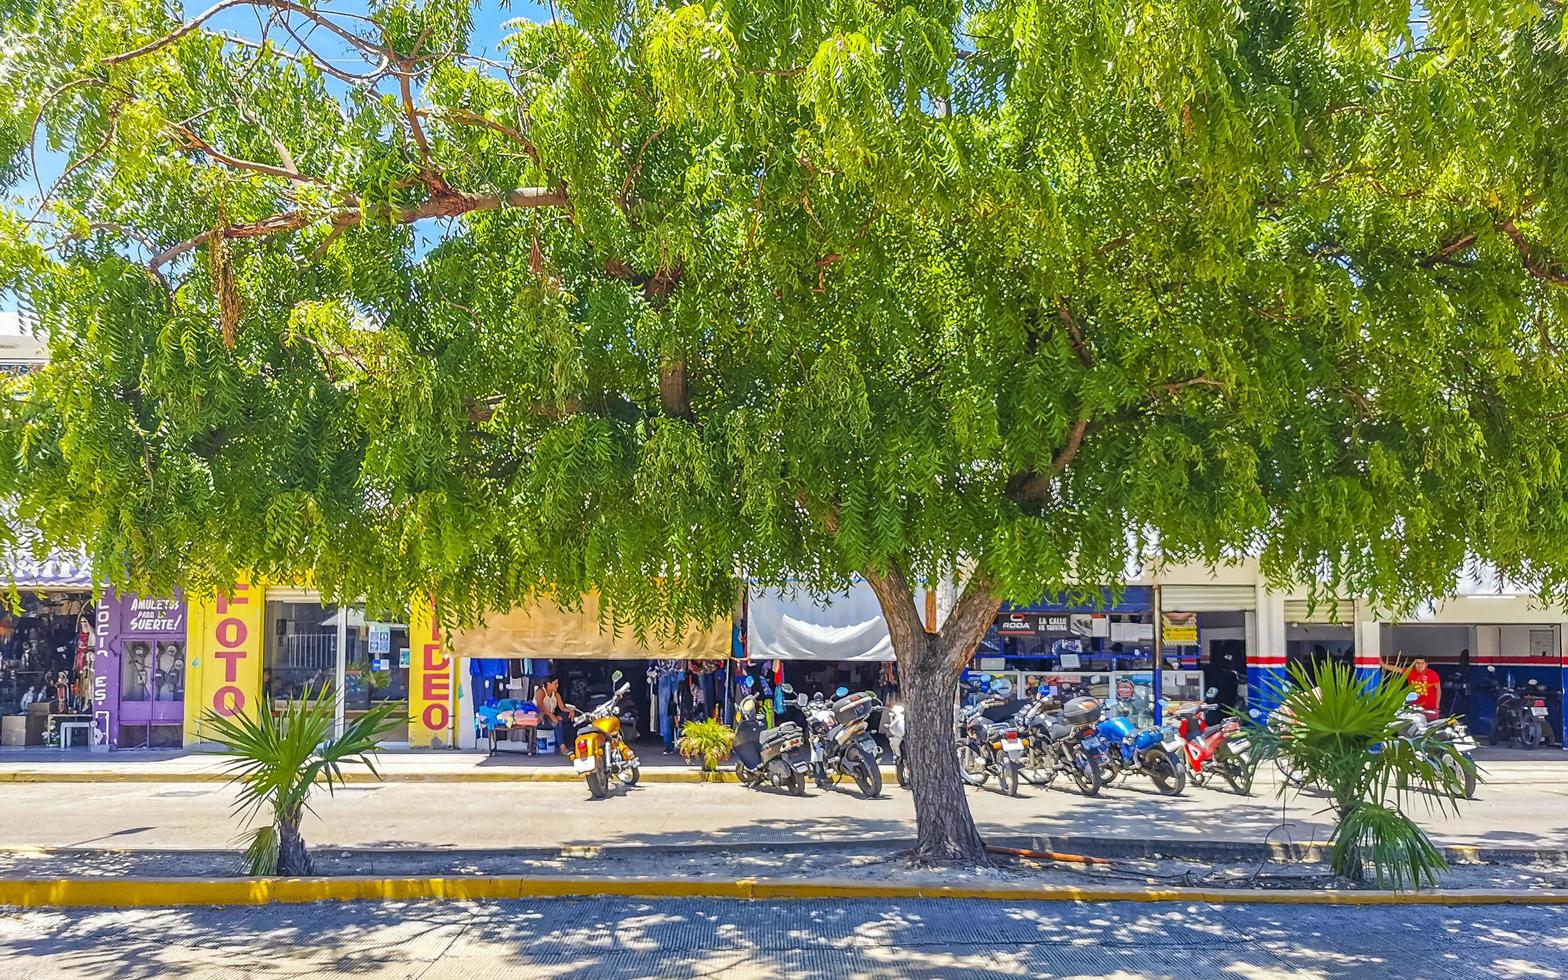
<point x="615" y="939"/>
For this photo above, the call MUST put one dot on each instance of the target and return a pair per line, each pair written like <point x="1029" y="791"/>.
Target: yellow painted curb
<point x="149" y="892"/>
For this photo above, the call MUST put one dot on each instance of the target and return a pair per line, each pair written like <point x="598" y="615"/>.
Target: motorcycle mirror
<point x="1211" y="692"/>
<point x="1412" y="698"/>
<point x="1530" y="681"/>
<point x="1254" y="712"/>
<point x="1490" y="669"/>
<point x="801" y="700"/>
<point x="615" y="678"/>
<point x="749" y="683"/>
<point x="1095" y="679"/>
<point x="841" y="692"/>
<point x="787" y="689"/>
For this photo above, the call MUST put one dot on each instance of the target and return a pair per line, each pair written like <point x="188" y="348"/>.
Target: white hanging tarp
<point x="791" y="625"/>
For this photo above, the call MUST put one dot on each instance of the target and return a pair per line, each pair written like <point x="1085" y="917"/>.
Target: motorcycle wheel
<point x="1169" y="778"/>
<point x="1086" y="773"/>
<point x="971" y="766"/>
<point x="1288" y="772"/>
<point x="630" y="775"/>
<point x="902" y="771"/>
<point x="1007" y="778"/>
<point x="1463" y="768"/>
<point x="868" y="776"/>
<point x="740" y="775"/>
<point x="1037" y="769"/>
<point x="797" y="786"/>
<point x="598" y="784"/>
<point x="1239" y="774"/>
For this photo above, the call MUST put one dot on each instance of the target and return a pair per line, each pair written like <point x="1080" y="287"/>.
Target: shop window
<point x="301" y="654"/>
<point x="152" y="671"/>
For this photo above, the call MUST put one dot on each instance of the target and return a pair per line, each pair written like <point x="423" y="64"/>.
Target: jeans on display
<point x="669" y="683"/>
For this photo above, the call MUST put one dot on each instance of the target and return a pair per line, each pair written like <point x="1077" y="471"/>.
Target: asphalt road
<point x="874" y="940"/>
<point x="479" y="815"/>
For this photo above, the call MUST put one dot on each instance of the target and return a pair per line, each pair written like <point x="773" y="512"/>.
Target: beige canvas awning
<point x="546" y="631"/>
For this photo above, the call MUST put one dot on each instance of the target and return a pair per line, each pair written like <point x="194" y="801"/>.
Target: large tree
<point x="808" y="289"/>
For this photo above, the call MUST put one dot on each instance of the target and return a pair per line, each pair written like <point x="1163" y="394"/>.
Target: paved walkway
<point x="1501" y="765"/>
<point x="858" y="940"/>
<point x="500" y="815"/>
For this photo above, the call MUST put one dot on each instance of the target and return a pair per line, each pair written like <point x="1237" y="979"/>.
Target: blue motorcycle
<point x="1155" y="752"/>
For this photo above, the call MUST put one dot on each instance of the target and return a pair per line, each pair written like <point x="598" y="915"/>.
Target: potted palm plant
<point x="707" y="740"/>
<point x="279" y="758"/>
<point x="1344" y="735"/>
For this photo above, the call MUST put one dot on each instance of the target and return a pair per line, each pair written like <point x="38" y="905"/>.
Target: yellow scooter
<point x="600" y="753"/>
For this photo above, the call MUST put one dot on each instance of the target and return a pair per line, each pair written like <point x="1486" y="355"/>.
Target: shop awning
<point x="549" y="632"/>
<point x="794" y="626"/>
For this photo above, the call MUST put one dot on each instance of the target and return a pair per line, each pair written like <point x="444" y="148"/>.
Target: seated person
<point x="554" y="711"/>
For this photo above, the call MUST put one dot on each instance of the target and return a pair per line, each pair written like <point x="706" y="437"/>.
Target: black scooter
<point x="780" y="755"/>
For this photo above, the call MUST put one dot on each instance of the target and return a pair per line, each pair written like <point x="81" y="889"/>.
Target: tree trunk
<point x="293" y="859"/>
<point x="929" y="666"/>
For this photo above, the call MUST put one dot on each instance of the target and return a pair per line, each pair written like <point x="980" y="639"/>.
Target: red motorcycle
<point x="1222" y="748"/>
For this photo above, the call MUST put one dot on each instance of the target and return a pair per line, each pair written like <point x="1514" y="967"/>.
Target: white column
<point x="341" y="673"/>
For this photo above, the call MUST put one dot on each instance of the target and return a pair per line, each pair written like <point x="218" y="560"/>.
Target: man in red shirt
<point x="1424" y="682"/>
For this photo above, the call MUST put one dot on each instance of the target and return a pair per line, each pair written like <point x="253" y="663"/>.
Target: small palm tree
<point x="1345" y="735"/>
<point x="278" y="758"/>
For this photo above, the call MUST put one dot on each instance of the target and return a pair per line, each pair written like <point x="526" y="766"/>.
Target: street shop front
<point x="1101" y="642"/>
<point x="815" y="647"/>
<point x="1477" y="662"/>
<point x="256" y="646"/>
<point x="502" y="664"/>
<point x="47" y="671"/>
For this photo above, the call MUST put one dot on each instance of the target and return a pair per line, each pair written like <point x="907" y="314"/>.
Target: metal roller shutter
<point x="1329" y="612"/>
<point x="1208" y="598"/>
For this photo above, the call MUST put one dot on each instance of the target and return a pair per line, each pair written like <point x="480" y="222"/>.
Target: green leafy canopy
<point x="803" y="288"/>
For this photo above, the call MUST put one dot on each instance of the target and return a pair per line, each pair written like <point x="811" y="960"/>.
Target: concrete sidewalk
<point x="1501" y="767"/>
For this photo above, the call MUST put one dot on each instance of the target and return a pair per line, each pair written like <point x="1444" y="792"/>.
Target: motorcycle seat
<point x="1061" y="730"/>
<point x="782" y="733"/>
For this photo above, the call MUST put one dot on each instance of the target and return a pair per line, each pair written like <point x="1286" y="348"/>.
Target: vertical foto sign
<point x="430" y="701"/>
<point x="225" y="659"/>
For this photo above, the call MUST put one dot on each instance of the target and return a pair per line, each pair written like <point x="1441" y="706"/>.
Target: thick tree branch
<point x="672" y="389"/>
<point x="1031" y="486"/>
<point x="1074" y="332"/>
<point x="1447" y="249"/>
<point x="1539" y="268"/>
<point x="971" y="616"/>
<point x="428" y="174"/>
<point x="449" y="205"/>
<point x="897" y="599"/>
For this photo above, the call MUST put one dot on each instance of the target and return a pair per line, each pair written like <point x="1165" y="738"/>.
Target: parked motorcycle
<point x="1223" y="749"/>
<point x="600" y="753"/>
<point x="1414" y="721"/>
<point x="841" y="742"/>
<point x="778" y="755"/>
<point x="1521" y="715"/>
<point x="894" y="729"/>
<point x="1155" y="752"/>
<point x="989" y="746"/>
<point x="1061" y="739"/>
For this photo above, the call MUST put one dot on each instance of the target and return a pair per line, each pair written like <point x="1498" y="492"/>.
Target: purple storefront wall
<point x="123" y="622"/>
